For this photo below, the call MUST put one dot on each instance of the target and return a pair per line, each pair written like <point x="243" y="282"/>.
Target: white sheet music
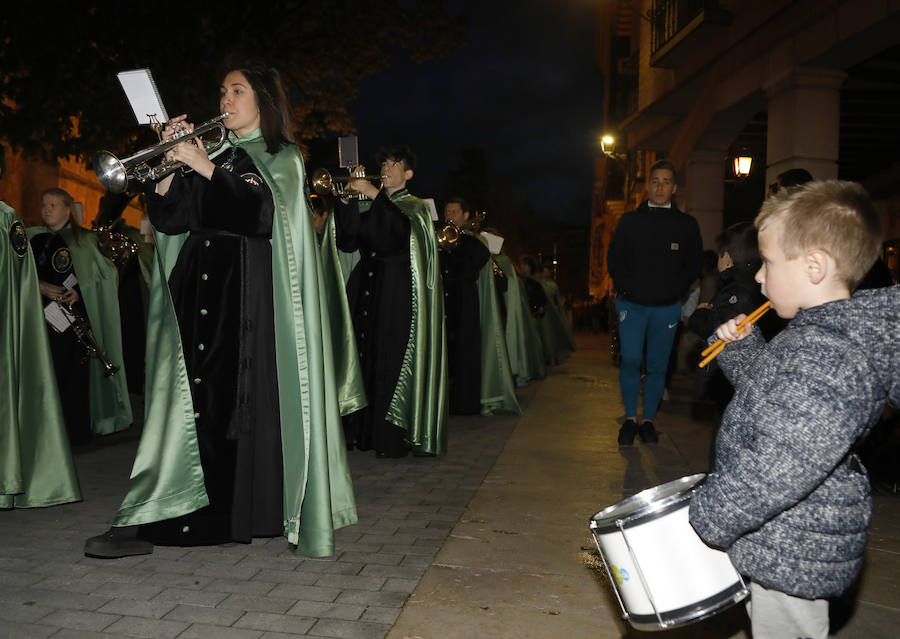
<point x="433" y="207"/>
<point x="495" y="242"/>
<point x="140" y="89"/>
<point x="57" y="317"/>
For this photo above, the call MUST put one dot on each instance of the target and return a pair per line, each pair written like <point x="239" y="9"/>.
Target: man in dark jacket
<point x="653" y="258"/>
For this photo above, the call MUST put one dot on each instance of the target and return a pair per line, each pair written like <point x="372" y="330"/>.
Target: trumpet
<point x="323" y="182"/>
<point x="448" y="236"/>
<point x="114" y="173"/>
<point x="84" y="335"/>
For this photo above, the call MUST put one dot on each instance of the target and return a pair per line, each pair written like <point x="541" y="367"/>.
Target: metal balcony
<point x="679" y="28"/>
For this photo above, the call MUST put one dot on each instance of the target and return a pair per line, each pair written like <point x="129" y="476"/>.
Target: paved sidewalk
<point x="262" y="590"/>
<point x="515" y="564"/>
<point x="488" y="539"/>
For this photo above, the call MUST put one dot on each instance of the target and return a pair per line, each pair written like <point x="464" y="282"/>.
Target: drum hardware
<point x="114" y="173"/>
<point x="650" y="591"/>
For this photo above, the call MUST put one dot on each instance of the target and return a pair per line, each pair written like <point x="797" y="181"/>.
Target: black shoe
<point x="627" y="432"/>
<point x="647" y="433"/>
<point x="116" y="543"/>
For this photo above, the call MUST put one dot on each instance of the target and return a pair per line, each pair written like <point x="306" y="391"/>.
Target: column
<point x="804" y="122"/>
<point x="704" y="192"/>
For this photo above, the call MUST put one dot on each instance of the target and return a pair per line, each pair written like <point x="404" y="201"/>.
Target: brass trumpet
<point x="114" y="173"/>
<point x="323" y="182"/>
<point x="448" y="236"/>
<point x="84" y="334"/>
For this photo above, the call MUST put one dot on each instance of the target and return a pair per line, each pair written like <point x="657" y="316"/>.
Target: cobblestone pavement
<point x="236" y="591"/>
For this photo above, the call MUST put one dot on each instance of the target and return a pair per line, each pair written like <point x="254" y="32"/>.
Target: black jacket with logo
<point x="654" y="255"/>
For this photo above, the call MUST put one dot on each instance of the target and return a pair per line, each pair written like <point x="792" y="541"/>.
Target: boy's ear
<point x="408" y="174"/>
<point x="818" y="265"/>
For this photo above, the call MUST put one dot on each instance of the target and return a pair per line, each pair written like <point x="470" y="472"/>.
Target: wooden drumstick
<point x="711" y="351"/>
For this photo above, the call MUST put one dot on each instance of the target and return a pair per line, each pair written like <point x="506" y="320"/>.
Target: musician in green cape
<point x="242" y="434"/>
<point x="396" y="300"/>
<point x="73" y="272"/>
<point x="335" y="272"/>
<point x="555" y="317"/>
<point x="36" y="467"/>
<point x="523" y="343"/>
<point x="498" y="388"/>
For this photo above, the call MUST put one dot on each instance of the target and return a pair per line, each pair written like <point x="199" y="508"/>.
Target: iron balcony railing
<point x="668" y="17"/>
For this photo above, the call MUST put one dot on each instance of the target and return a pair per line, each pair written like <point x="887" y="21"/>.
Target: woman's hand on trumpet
<point x="190" y="153"/>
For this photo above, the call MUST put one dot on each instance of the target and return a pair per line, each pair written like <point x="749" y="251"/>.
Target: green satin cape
<point x="419" y="404"/>
<point x="36" y="466"/>
<point x="98" y="279"/>
<point x="167" y="478"/>
<point x="526" y="357"/>
<point x="351" y="388"/>
<point x="498" y="390"/>
<point x="555" y="331"/>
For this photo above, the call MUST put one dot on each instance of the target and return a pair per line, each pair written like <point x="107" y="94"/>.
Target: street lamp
<point x="608" y="145"/>
<point x="742" y="163"/>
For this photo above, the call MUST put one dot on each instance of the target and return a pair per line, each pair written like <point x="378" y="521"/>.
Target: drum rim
<point x="646" y="503"/>
<point x="694" y="612"/>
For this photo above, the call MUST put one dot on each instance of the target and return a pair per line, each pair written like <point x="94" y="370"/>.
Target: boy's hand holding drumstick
<point x="731" y="331"/>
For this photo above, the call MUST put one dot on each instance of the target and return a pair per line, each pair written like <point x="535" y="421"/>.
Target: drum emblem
<point x="620" y="575"/>
<point x="61" y="260"/>
<point x="18" y="238"/>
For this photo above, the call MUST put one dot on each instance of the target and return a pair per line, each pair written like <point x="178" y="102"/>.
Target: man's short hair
<point x="835" y="216"/>
<point x="794" y="177"/>
<point x="399" y="153"/>
<point x="664" y="165"/>
<point x="741" y="242"/>
<point x="456" y="199"/>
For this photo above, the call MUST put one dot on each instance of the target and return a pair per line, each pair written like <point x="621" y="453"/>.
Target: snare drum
<point x="662" y="573"/>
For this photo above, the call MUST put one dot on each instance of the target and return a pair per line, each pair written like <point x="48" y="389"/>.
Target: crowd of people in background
<point x="279" y="329"/>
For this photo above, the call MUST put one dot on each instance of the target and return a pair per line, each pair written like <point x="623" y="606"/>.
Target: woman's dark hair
<point x="274" y="116"/>
<point x="399" y="153"/>
<point x="741" y="242"/>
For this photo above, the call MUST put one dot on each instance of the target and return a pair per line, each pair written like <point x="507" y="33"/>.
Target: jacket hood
<point x="871" y="319"/>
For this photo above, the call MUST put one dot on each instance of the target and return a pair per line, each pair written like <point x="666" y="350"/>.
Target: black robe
<point x="379" y="292"/>
<point x="221" y="288"/>
<point x="70" y="362"/>
<point x="460" y="267"/>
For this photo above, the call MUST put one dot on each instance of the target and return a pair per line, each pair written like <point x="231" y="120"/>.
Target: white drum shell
<point x="674" y="564"/>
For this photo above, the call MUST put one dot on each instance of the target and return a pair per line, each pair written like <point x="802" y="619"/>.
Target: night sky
<point x="524" y="88"/>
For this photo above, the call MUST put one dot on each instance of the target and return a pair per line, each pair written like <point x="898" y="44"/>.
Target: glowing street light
<point x="742" y="163"/>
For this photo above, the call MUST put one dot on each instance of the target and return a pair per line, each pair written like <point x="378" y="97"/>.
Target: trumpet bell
<point x="114" y="173"/>
<point x="110" y="171"/>
<point x="323" y="182"/>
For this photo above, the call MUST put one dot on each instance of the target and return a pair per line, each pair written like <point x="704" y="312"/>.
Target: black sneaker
<point x="116" y="543"/>
<point x="627" y="432"/>
<point x="647" y="433"/>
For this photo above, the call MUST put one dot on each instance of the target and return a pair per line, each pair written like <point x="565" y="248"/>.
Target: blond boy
<point x="788" y="498"/>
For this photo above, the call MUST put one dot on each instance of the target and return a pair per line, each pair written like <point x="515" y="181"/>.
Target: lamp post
<point x="743" y="161"/>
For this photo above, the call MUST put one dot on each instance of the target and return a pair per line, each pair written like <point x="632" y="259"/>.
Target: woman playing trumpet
<point x="243" y="439"/>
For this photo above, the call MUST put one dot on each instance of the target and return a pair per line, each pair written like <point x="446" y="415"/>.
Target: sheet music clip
<point x="156" y="125"/>
<point x="143" y="96"/>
